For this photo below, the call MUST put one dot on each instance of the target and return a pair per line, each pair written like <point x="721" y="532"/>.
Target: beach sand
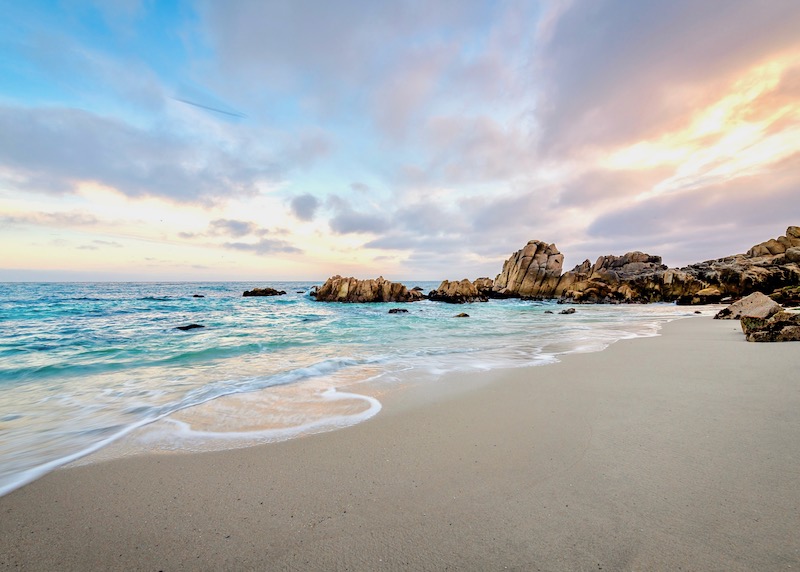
<point x="678" y="452"/>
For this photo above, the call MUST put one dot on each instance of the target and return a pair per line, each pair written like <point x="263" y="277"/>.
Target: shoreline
<point x="658" y="452"/>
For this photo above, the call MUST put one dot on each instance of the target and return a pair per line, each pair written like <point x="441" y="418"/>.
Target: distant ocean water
<point x="83" y="364"/>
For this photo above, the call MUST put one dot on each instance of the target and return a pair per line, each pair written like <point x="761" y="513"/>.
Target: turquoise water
<point x="83" y="364"/>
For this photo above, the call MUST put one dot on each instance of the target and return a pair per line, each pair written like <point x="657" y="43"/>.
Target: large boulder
<point x="780" y="327"/>
<point x="339" y="289"/>
<point x="532" y="272"/>
<point x="756" y="305"/>
<point x="457" y="292"/>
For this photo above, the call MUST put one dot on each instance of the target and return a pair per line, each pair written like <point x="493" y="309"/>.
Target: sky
<point x="297" y="139"/>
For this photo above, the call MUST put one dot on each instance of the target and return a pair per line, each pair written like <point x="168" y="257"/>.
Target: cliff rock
<point x="532" y="272"/>
<point x="338" y="289"/>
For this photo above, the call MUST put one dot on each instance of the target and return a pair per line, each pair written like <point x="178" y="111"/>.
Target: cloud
<point x="51" y="219"/>
<point x="616" y="72"/>
<point x="53" y="150"/>
<point x="233" y="228"/>
<point x="304" y="207"/>
<point x="264" y="246"/>
<point x="350" y="221"/>
<point x="97" y="244"/>
<point x="744" y="212"/>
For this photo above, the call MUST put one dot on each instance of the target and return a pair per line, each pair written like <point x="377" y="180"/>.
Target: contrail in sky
<point x="232" y="113"/>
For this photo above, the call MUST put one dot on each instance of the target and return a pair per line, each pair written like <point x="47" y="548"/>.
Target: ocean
<point x="102" y="368"/>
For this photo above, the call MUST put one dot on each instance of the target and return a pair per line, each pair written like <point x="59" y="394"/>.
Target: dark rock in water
<point x="458" y="292"/>
<point x="461" y="315"/>
<point x="548" y="311"/>
<point x="417" y="289"/>
<point x="190" y="327"/>
<point x="781" y="327"/>
<point x="756" y="305"/>
<point x="568" y="311"/>
<point x="398" y="311"/>
<point x="264" y="292"/>
<point x="338" y="289"/>
<point x="301" y="292"/>
<point x="698" y="312"/>
<point x="197" y="296"/>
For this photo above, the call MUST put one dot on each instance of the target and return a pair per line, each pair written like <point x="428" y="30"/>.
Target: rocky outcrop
<point x="338" y="289"/>
<point x="398" y="311"/>
<point x="756" y="305"/>
<point x="460" y="292"/>
<point x="532" y="272"/>
<point x="535" y="272"/>
<point x="632" y="277"/>
<point x="766" y="267"/>
<point x="780" y="327"/>
<point x="264" y="292"/>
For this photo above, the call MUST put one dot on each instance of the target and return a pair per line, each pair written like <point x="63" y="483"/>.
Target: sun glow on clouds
<point x="742" y="134"/>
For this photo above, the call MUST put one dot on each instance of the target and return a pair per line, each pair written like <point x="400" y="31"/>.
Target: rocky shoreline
<point x="536" y="272"/>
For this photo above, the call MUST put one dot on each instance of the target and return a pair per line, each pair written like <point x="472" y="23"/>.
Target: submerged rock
<point x="189" y="327"/>
<point x="264" y="292"/>
<point x="339" y="289"/>
<point x="780" y="327"/>
<point x="398" y="311"/>
<point x="756" y="305"/>
<point x="568" y="311"/>
<point x="461" y="315"/>
<point x="197" y="296"/>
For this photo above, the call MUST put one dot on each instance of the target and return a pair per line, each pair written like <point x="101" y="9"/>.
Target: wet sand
<point x="680" y="452"/>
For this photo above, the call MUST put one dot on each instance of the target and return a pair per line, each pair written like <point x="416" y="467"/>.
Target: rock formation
<point x="264" y="292"/>
<point x="756" y="305"/>
<point x="532" y="272"/>
<point x="781" y="327"/>
<point x="765" y="268"/>
<point x="338" y="289"/>
<point x="461" y="292"/>
<point x="535" y="272"/>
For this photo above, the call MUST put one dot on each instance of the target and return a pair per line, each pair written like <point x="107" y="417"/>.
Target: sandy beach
<point x="678" y="452"/>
